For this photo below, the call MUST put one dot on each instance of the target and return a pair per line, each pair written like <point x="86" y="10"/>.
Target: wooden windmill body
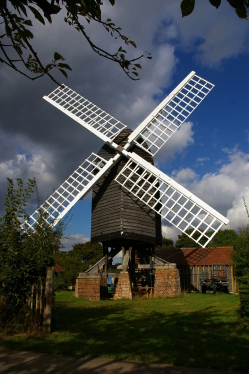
<point x="117" y="215"/>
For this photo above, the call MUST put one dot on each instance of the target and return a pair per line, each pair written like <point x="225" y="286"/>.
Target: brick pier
<point x="123" y="288"/>
<point x="90" y="287"/>
<point x="167" y="281"/>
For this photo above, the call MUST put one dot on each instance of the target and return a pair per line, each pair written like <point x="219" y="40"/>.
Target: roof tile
<point x="196" y="256"/>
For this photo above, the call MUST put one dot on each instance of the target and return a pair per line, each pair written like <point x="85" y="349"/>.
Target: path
<point x="29" y="363"/>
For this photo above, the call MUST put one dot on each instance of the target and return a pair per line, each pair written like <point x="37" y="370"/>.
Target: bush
<point x="241" y="263"/>
<point x="24" y="256"/>
<point x="77" y="260"/>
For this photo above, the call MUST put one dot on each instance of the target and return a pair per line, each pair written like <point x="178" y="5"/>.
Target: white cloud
<point x="213" y="35"/>
<point x="237" y="213"/>
<point x="202" y="159"/>
<point x="184" y="175"/>
<point x="177" y="144"/>
<point x="133" y="106"/>
<point x="170" y="231"/>
<point x="71" y="239"/>
<point x="26" y="167"/>
<point x="224" y="189"/>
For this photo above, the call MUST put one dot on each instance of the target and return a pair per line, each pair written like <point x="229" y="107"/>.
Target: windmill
<point x="131" y="153"/>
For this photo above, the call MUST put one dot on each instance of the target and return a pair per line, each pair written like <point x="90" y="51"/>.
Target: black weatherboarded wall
<point x="116" y="213"/>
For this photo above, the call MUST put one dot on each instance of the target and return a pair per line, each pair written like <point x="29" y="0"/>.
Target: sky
<point x="209" y="155"/>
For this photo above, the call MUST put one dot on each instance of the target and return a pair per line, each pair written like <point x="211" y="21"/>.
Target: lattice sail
<point x="169" y="199"/>
<point x="167" y="118"/>
<point x="85" y="113"/>
<point x="75" y="187"/>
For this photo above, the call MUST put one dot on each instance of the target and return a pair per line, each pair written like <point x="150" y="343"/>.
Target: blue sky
<point x="209" y="155"/>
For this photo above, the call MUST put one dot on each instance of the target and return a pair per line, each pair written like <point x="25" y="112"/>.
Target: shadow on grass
<point x="144" y="331"/>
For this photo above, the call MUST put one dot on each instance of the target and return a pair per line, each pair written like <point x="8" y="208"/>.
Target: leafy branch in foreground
<point x="15" y="35"/>
<point x="240" y="6"/>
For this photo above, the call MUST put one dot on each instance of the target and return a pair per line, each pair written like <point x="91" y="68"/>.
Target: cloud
<point x="28" y="166"/>
<point x="222" y="190"/>
<point x="202" y="159"/>
<point x="170" y="231"/>
<point x="184" y="176"/>
<point x="237" y="213"/>
<point x="212" y="35"/>
<point x="177" y="144"/>
<point x="71" y="239"/>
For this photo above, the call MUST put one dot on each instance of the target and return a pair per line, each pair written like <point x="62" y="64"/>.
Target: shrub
<point x="24" y="256"/>
<point x="241" y="263"/>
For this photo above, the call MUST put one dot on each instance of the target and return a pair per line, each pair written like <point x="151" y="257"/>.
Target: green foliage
<point x="15" y="38"/>
<point x="240" y="6"/>
<point x="184" y="241"/>
<point x="23" y="257"/>
<point x="167" y="242"/>
<point x="59" y="282"/>
<point x="79" y="259"/>
<point x="227" y="237"/>
<point x="241" y="263"/>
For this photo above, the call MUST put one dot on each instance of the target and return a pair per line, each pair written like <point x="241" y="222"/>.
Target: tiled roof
<point x="58" y="269"/>
<point x="196" y="256"/>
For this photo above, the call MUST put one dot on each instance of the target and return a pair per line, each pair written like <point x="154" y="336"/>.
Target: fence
<point x="191" y="277"/>
<point x="41" y="300"/>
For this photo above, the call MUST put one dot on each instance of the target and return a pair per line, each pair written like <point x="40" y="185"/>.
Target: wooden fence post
<point x="49" y="290"/>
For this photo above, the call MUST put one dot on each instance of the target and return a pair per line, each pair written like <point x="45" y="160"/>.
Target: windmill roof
<point x="197" y="256"/>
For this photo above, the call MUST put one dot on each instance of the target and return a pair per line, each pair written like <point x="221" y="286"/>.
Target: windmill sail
<point x="169" y="199"/>
<point x="85" y="113"/>
<point x="169" y="115"/>
<point x="75" y="187"/>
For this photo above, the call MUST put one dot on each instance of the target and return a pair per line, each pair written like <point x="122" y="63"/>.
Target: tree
<point x="78" y="260"/>
<point x="15" y="38"/>
<point x="240" y="6"/>
<point x="241" y="263"/>
<point x="23" y="257"/>
<point x="227" y="237"/>
<point x="184" y="241"/>
<point x="167" y="242"/>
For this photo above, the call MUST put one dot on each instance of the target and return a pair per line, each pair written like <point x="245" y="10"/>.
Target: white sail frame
<point x="168" y="198"/>
<point x="87" y="114"/>
<point x="171" y="113"/>
<point x="75" y="187"/>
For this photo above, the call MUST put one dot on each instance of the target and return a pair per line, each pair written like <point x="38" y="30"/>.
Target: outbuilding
<point x="195" y="264"/>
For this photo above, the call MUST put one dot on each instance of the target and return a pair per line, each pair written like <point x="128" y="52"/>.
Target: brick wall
<point x="123" y="287"/>
<point x="167" y="283"/>
<point x="88" y="287"/>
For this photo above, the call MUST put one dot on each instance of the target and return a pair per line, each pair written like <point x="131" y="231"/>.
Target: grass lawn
<point x="191" y="330"/>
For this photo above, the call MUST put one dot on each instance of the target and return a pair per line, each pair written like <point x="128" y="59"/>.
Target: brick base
<point x="91" y="287"/>
<point x="123" y="287"/>
<point x="167" y="283"/>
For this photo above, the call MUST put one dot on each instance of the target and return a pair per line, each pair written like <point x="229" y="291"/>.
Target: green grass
<point x="192" y="330"/>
